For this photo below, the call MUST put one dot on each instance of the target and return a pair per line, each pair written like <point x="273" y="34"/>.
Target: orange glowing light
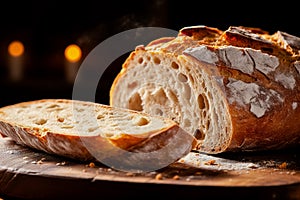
<point x="73" y="53"/>
<point x="16" y="48"/>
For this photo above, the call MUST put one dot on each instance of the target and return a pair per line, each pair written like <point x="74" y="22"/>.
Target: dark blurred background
<point x="47" y="27"/>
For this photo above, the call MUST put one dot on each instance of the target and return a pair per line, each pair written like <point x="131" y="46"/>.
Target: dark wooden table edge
<point x="53" y="188"/>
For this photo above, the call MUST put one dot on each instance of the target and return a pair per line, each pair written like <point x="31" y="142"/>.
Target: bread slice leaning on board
<point x="235" y="90"/>
<point x="89" y="131"/>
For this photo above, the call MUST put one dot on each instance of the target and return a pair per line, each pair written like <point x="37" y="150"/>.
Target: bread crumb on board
<point x="91" y="165"/>
<point x="176" y="177"/>
<point x="61" y="163"/>
<point x="41" y="161"/>
<point x="282" y="165"/>
<point x="129" y="174"/>
<point x="159" y="176"/>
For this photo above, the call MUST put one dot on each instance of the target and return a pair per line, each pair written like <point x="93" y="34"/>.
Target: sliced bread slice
<point x="121" y="138"/>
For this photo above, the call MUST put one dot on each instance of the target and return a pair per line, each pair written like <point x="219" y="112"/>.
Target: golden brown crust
<point x="278" y="127"/>
<point x="257" y="74"/>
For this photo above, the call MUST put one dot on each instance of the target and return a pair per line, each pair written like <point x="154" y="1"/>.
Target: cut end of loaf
<point x="223" y="87"/>
<point x="178" y="88"/>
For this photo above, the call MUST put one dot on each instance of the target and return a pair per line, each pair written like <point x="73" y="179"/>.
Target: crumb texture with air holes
<point x="233" y="90"/>
<point x="74" y="129"/>
<point x="81" y="119"/>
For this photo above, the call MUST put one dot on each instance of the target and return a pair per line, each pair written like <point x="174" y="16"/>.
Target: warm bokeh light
<point x="16" y="48"/>
<point x="73" y="53"/>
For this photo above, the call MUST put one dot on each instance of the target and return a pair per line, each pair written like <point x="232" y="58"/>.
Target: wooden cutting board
<point x="29" y="174"/>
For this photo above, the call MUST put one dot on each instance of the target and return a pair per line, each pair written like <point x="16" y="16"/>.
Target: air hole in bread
<point x="67" y="126"/>
<point x="132" y="85"/>
<point x="140" y="60"/>
<point x="160" y="96"/>
<point x="142" y="121"/>
<point x="187" y="123"/>
<point x="209" y="97"/>
<point x="191" y="79"/>
<point x="100" y="116"/>
<point x="135" y="102"/>
<point x="156" y="60"/>
<point x="202" y="101"/>
<point x="199" y="135"/>
<point x="91" y="129"/>
<point x="41" y="122"/>
<point x="203" y="86"/>
<point x="53" y="106"/>
<point x="204" y="113"/>
<point x="187" y="91"/>
<point x="60" y="119"/>
<point x="19" y="111"/>
<point x="158" y="112"/>
<point x="79" y="109"/>
<point x="173" y="96"/>
<point x="174" y="65"/>
<point x="182" y="78"/>
<point x="207" y="124"/>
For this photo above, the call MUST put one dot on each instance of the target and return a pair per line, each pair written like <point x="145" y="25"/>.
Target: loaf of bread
<point x="234" y="90"/>
<point x="87" y="131"/>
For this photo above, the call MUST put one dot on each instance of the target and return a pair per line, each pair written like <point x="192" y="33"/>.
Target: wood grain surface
<point x="29" y="174"/>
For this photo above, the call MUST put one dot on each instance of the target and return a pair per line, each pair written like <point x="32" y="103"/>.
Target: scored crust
<point x="234" y="90"/>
